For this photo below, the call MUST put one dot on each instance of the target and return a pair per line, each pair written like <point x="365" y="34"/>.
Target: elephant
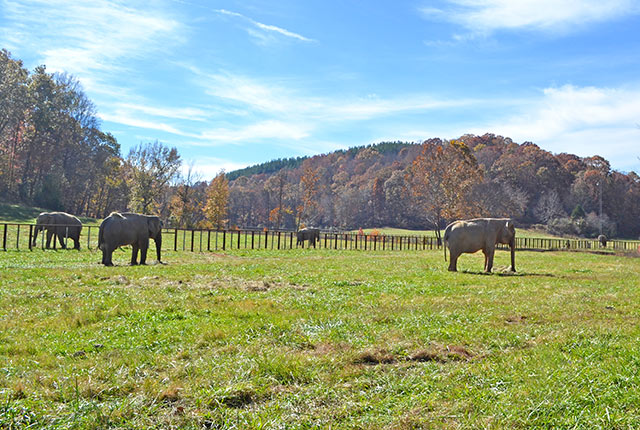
<point x="603" y="241"/>
<point x="119" y="229"/>
<point x="310" y="234"/>
<point x="479" y="234"/>
<point x="62" y="224"/>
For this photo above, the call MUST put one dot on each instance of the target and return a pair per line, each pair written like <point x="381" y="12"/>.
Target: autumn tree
<point x="13" y="105"/>
<point x="442" y="178"/>
<point x="215" y="209"/>
<point x="184" y="203"/>
<point x="308" y="207"/>
<point x="151" y="167"/>
<point x="276" y="186"/>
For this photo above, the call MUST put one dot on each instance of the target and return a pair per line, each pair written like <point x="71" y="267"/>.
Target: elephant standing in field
<point x="119" y="229"/>
<point x="62" y="224"/>
<point x="310" y="234"/>
<point x="479" y="234"/>
<point x="603" y="241"/>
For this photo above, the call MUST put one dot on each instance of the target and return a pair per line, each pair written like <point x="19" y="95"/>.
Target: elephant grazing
<point x="62" y="224"/>
<point x="119" y="229"/>
<point x="310" y="234"/>
<point x="479" y="234"/>
<point x="603" y="241"/>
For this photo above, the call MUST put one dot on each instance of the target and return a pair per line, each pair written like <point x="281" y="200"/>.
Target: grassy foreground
<point x="318" y="339"/>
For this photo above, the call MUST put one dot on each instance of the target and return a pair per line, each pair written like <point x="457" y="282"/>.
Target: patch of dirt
<point x="443" y="354"/>
<point x="423" y="356"/>
<point x="437" y="353"/>
<point x="516" y="319"/>
<point x="372" y="358"/>
<point x="170" y="395"/>
<point x="267" y="284"/>
<point x="239" y="399"/>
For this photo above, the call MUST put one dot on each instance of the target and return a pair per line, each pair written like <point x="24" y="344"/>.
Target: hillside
<point x="370" y="186"/>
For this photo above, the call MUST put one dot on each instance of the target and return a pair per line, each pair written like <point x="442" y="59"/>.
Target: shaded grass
<point x="12" y="213"/>
<point x="317" y="339"/>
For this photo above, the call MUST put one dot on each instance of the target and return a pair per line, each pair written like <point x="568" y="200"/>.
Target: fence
<point x="20" y="236"/>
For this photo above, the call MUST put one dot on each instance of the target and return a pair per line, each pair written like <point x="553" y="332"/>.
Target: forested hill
<point x="274" y="166"/>
<point x="414" y="185"/>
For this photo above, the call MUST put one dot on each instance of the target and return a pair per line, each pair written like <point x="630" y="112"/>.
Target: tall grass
<point x="318" y="339"/>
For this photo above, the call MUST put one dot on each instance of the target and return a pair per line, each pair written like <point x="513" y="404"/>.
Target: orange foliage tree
<point x="308" y="207"/>
<point x="441" y="179"/>
<point x="217" y="200"/>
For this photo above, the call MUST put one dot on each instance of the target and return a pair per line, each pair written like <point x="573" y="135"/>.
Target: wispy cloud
<point x="87" y="39"/>
<point x="487" y="16"/>
<point x="580" y="120"/>
<point x="263" y="28"/>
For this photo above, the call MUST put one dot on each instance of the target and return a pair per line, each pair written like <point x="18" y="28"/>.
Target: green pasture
<point x="315" y="338"/>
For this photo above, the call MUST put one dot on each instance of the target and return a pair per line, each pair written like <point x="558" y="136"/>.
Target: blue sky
<point x="235" y="83"/>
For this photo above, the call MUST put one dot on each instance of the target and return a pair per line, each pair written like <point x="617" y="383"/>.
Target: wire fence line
<point x="16" y="236"/>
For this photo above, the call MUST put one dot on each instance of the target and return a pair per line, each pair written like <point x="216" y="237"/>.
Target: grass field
<point x="318" y="339"/>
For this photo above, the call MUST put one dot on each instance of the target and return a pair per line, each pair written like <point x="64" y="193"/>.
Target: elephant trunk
<point x="158" y="240"/>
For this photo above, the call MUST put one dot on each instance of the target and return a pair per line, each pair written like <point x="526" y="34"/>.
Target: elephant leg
<point x="453" y="261"/>
<point x="144" y="246"/>
<point x="76" y="243"/>
<point x="62" y="240"/>
<point x="143" y="254"/>
<point x="134" y="254"/>
<point x="489" y="253"/>
<point x="49" y="236"/>
<point x="107" y="254"/>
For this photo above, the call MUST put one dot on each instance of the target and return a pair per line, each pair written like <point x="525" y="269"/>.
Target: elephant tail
<point x="100" y="237"/>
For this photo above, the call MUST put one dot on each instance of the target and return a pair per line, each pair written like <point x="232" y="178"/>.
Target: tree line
<point x="428" y="184"/>
<point x="53" y="154"/>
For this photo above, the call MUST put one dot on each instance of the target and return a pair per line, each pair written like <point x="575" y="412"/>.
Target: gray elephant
<point x="479" y="234"/>
<point x="119" y="229"/>
<point x="603" y="241"/>
<point x="62" y="224"/>
<point x="310" y="234"/>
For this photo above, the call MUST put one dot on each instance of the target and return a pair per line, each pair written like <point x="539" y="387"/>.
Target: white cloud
<point x="486" y="16"/>
<point x="582" y="120"/>
<point x="206" y="168"/>
<point x="269" y="129"/>
<point x="262" y="31"/>
<point x="128" y="120"/>
<point x="91" y="40"/>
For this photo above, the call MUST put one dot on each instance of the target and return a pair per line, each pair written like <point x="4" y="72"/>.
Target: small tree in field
<point x="442" y="178"/>
<point x="217" y="199"/>
<point x="309" y="189"/>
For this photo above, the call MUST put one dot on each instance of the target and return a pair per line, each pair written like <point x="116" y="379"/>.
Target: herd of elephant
<point x="119" y="229"/>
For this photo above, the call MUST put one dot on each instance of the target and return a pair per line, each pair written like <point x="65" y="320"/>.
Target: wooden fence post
<point x="175" y="240"/>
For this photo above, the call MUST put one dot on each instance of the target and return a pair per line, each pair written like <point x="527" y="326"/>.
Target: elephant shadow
<point x="507" y="274"/>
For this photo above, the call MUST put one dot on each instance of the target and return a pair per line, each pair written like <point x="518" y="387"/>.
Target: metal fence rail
<point x="20" y="237"/>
